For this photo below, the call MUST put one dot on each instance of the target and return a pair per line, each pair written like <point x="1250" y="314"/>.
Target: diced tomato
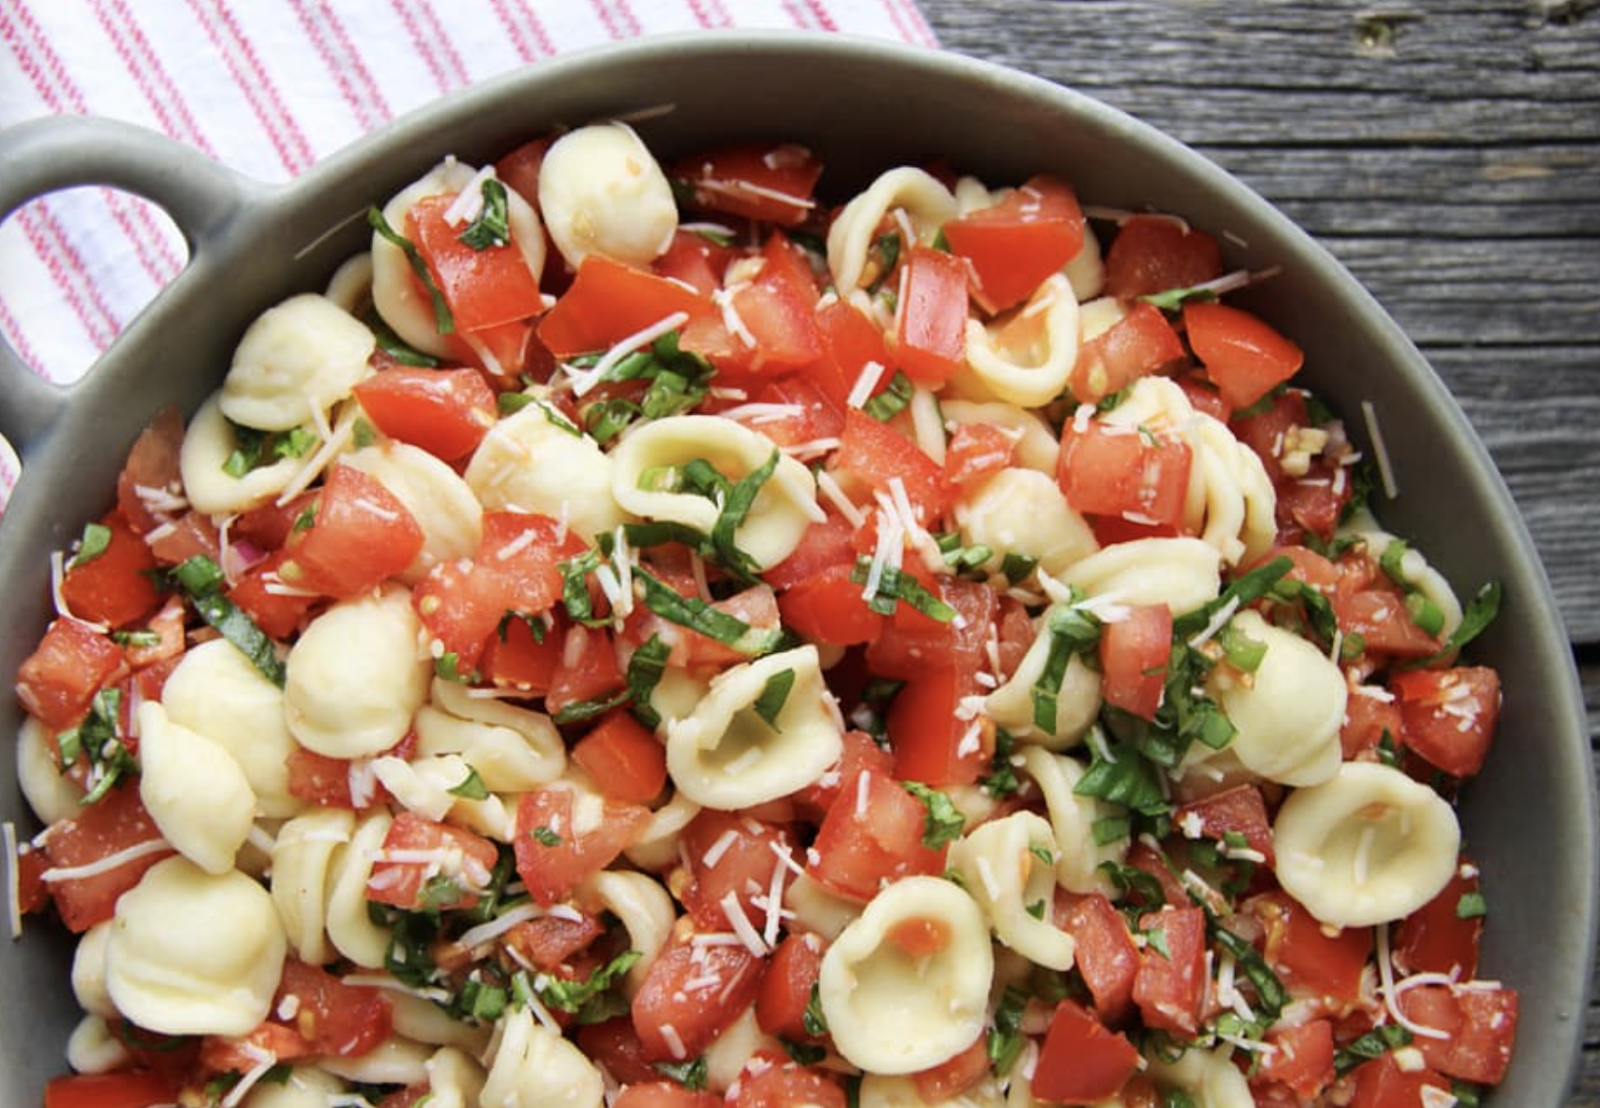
<point x="444" y="411"/>
<point x="1153" y="253"/>
<point x="461" y="606"/>
<point x="817" y="415"/>
<point x="775" y="309"/>
<point x="33" y="895"/>
<point x="587" y="670"/>
<point x="1081" y="1061"/>
<point x="1479" y="1022"/>
<point x="614" y="1044"/>
<point x="167" y="625"/>
<point x="912" y="642"/>
<point x="930" y="740"/>
<point x="1383" y="1083"/>
<point x="1437" y="938"/>
<point x="1133" y="659"/>
<point x="772" y="184"/>
<point x="1122" y="472"/>
<point x="151" y="473"/>
<point x="72" y="662"/>
<point x="931" y="319"/>
<point x="1366" y="720"/>
<point x="675" y="1022"/>
<point x="520" y="168"/>
<point x="525" y="550"/>
<point x="852" y="342"/>
<point x="1312" y="502"/>
<point x="830" y="608"/>
<point x="1378" y="614"/>
<point x="241" y="1053"/>
<point x="113" y="586"/>
<point x="1303" y="1060"/>
<point x="1170" y="985"/>
<point x="608" y="302"/>
<point x="695" y="260"/>
<point x="135" y="1089"/>
<point x="822" y="546"/>
<point x="786" y="987"/>
<point x="333" y="1017"/>
<point x="484" y="288"/>
<point x="1239" y="811"/>
<point x="277" y="608"/>
<point x="730" y="855"/>
<point x="1015" y="244"/>
<point x="860" y="754"/>
<point x="1244" y="356"/>
<point x="770" y="1081"/>
<point x="190" y="534"/>
<point x="548" y="942"/>
<point x="319" y="779"/>
<point x="1137" y="345"/>
<point x="359" y="535"/>
<point x="624" y="759"/>
<point x="1310" y="960"/>
<point x="873" y="454"/>
<point x="947" y="1081"/>
<point x="1105" y="955"/>
<point x="554" y="852"/>
<point x="871" y="835"/>
<point x="426" y="864"/>
<point x="1449" y="715"/>
<point x="976" y="451"/>
<point x="665" y="1094"/>
<point x="1142" y="856"/>
<point x="116" y="822"/>
<point x="514" y="659"/>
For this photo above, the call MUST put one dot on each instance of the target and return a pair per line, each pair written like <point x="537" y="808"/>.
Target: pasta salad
<point x="643" y="636"/>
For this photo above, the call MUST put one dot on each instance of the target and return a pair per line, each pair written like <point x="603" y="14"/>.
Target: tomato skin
<point x="1138" y="344"/>
<point x="665" y="1094"/>
<point x="771" y="1082"/>
<point x="1116" y="471"/>
<point x="1170" y="987"/>
<point x="1307" y="957"/>
<point x="1449" y="716"/>
<point x="135" y="1089"/>
<point x="1133" y="659"/>
<point x="113" y="587"/>
<point x="1381" y="1083"/>
<point x="624" y="758"/>
<point x="1240" y="810"/>
<point x="152" y="465"/>
<point x="443" y="411"/>
<point x="402" y="884"/>
<point x="57" y="682"/>
<point x="931" y="326"/>
<point x="1304" y="1058"/>
<point x="1366" y="720"/>
<point x="829" y="608"/>
<point x="333" y="1017"/>
<point x="1081" y="1061"/>
<point x="608" y="301"/>
<point x="551" y="870"/>
<point x="1480" y="1024"/>
<point x="732" y="977"/>
<point x="360" y="535"/>
<point x="1106" y="954"/>
<point x="1014" y="245"/>
<point x="871" y="455"/>
<point x="116" y="822"/>
<point x="929" y="739"/>
<point x="1244" y="356"/>
<point x="851" y="341"/>
<point x="767" y="183"/>
<point x="695" y="260"/>
<point x="484" y="288"/>
<point x="948" y="1080"/>
<point x="786" y="987"/>
<point x="872" y="834"/>
<point x="1435" y="939"/>
<point x="1153" y="253"/>
<point x="743" y="858"/>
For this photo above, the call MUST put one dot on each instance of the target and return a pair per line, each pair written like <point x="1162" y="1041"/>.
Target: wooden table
<point x="1448" y="152"/>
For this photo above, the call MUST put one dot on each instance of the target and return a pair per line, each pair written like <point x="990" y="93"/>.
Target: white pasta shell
<point x="646" y="912"/>
<point x="305" y="1087"/>
<point x="89" y="972"/>
<point x="92" y="1048"/>
<point x="1368" y="846"/>
<point x="1023" y="511"/>
<point x="882" y="1091"/>
<point x="513" y="749"/>
<point x="345" y="913"/>
<point x="534" y="1067"/>
<point x="166" y="974"/>
<point x="208" y="441"/>
<point x="1001" y="871"/>
<point x="1072" y="820"/>
<point x="193" y="789"/>
<point x="602" y="192"/>
<point x="926" y="202"/>
<point x="1027" y="358"/>
<point x="1415" y="569"/>
<point x="1182" y="573"/>
<point x="394" y="1061"/>
<point x="296" y="361"/>
<point x="1077" y="700"/>
<point x="892" y="1013"/>
<point x="531" y="462"/>
<point x="437" y="498"/>
<point x="784" y="507"/>
<point x="1209" y="1077"/>
<point x="302" y="864"/>
<point x="51" y="794"/>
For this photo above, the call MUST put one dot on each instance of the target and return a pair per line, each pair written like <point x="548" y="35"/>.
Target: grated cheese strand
<point x="106" y="864"/>
<point x="585" y="379"/>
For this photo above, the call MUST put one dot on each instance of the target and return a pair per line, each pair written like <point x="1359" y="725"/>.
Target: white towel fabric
<point x="269" y="87"/>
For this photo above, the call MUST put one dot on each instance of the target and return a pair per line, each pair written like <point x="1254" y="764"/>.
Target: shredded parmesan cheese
<point x="106" y="864"/>
<point x="1380" y="450"/>
<point x="585" y="379"/>
<point x="866" y="383"/>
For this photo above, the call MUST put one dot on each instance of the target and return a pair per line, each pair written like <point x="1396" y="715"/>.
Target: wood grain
<point x="1448" y="153"/>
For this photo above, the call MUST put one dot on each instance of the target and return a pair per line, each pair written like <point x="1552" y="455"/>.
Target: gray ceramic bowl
<point x="1530" y="819"/>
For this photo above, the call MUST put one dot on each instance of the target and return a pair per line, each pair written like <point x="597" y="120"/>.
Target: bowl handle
<point x="67" y="151"/>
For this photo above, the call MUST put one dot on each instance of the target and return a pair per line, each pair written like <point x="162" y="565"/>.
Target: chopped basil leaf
<point x="1044" y="853"/>
<point x="774" y="695"/>
<point x="1110" y="829"/>
<point x="96" y="738"/>
<point x="1002" y="780"/>
<point x="471" y="787"/>
<point x="439" y="892"/>
<point x="1260" y="407"/>
<point x="1177" y="1098"/>
<point x="545" y="837"/>
<point x="492" y="227"/>
<point x="1392" y="562"/>
<point x="959" y="557"/>
<point x="201" y="578"/>
<point x="307" y="519"/>
<point x="510" y="403"/>
<point x="740" y="498"/>
<point x="1036" y="909"/>
<point x="575" y="996"/>
<point x="1156" y="939"/>
<point x="95" y="541"/>
<point x="1271" y="996"/>
<point x="1466" y="1093"/>
<point x="606" y="419"/>
<point x="1017" y="568"/>
<point x="395" y="347"/>
<point x="447" y="666"/>
<point x="362" y="434"/>
<point x="1072" y="631"/>
<point x="1318" y="609"/>
<point x="575" y="587"/>
<point x="1126" y="777"/>
<point x="479" y="1001"/>
<point x="1246" y="589"/>
<point x="804" y="1054"/>
<point x="943" y="823"/>
<point x="136" y="639"/>
<point x="1481" y="611"/>
<point x="886" y="252"/>
<point x="814" y="1022"/>
<point x="691" y="1075"/>
<point x="1471" y="906"/>
<point x="1388" y="750"/>
<point x="1243" y="652"/>
<point x="1374" y="1044"/>
<point x="1427" y="615"/>
<point x="1133" y="882"/>
<point x="581" y="710"/>
<point x="698" y="615"/>
<point x="1172" y="300"/>
<point x="893" y="400"/>
<point x="444" y="322"/>
<point x="1004" y="1042"/>
<point x="899" y="586"/>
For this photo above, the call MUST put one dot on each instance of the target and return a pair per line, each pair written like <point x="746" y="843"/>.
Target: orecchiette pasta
<point x="194" y="790"/>
<point x="302" y="861"/>
<point x="395" y="1061"/>
<point x="423" y="785"/>
<point x="736" y="750"/>
<point x="1008" y="865"/>
<point x="925" y="202"/>
<point x="1079" y="855"/>
<point x="1367" y="846"/>
<point x="735" y="1049"/>
<point x="455" y="1079"/>
<point x="1184" y="574"/>
<point x="1208" y="1077"/>
<point x="512" y="749"/>
<point x="892" y="1012"/>
<point x="1037" y="446"/>
<point x="207" y="445"/>
<point x="603" y="193"/>
<point x="1077" y="699"/>
<point x="534" y="461"/>
<point x="1413" y="568"/>
<point x="882" y="1091"/>
<point x="295" y="362"/>
<point x="534" y="1067"/>
<point x="646" y="481"/>
<point x="168" y="975"/>
<point x="437" y="498"/>
<point x="645" y="909"/>
<point x="354" y="677"/>
<point x="1022" y="511"/>
<point x="92" y="1048"/>
<point x="51" y="796"/>
<point x="89" y="972"/>
<point x="1025" y="359"/>
<point x="304" y="1087"/>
